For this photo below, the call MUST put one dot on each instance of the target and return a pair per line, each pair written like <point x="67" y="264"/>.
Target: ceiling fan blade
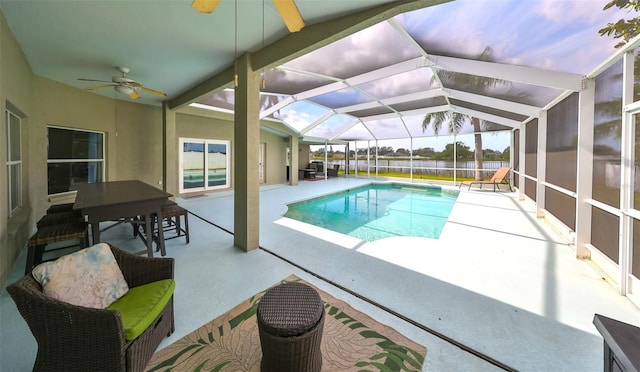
<point x="98" y="87"/>
<point x="290" y="14"/>
<point x="204" y="6"/>
<point x="100" y="81"/>
<point x="154" y="92"/>
<point x="134" y="95"/>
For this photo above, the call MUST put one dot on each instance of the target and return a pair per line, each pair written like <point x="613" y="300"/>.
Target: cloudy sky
<point x="559" y="35"/>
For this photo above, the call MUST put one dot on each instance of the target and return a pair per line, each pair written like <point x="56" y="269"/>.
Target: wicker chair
<point x="333" y="172"/>
<point x="76" y="338"/>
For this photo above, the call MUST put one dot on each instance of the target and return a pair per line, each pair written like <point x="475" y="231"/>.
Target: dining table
<point x="118" y="200"/>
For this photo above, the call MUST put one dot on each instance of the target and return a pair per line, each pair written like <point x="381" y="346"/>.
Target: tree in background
<point x="455" y="120"/>
<point x="625" y="29"/>
<point x="463" y="152"/>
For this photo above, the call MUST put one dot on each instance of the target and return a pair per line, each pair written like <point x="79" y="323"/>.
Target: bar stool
<point x="171" y="213"/>
<point x="54" y="234"/>
<point x="59" y="218"/>
<point x="57" y="208"/>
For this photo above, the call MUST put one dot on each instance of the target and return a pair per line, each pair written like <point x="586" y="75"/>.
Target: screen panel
<point x="562" y="142"/>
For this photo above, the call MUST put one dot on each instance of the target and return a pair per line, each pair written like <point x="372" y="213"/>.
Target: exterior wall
<point x="133" y="140"/>
<point x="303" y="156"/>
<point x="133" y="136"/>
<point x="16" y="89"/>
<point x="197" y="123"/>
<point x="138" y="143"/>
<point x="275" y="158"/>
<point x="211" y="126"/>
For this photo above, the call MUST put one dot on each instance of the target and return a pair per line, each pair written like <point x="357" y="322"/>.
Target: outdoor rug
<point x="351" y="341"/>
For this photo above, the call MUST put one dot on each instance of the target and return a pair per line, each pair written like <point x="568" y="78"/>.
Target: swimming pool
<point x="378" y="211"/>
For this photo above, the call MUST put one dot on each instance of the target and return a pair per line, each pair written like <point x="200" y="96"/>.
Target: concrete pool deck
<point x="499" y="284"/>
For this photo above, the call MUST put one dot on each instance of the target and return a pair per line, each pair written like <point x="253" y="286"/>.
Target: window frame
<point x="11" y="163"/>
<point x="206" y="143"/>
<point x="102" y="160"/>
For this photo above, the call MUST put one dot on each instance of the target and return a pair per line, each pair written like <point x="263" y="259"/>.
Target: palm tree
<point x="470" y="83"/>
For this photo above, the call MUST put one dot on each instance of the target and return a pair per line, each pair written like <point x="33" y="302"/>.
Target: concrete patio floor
<point x="500" y="289"/>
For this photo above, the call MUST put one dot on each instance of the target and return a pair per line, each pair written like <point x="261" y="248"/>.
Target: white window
<point x="74" y="157"/>
<point x="199" y="172"/>
<point x="14" y="162"/>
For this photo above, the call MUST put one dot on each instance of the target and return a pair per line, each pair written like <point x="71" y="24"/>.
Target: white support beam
<point x="627" y="155"/>
<point x="521" y="167"/>
<point x="387" y="71"/>
<point x="488" y="117"/>
<point x="541" y="170"/>
<point x="584" y="176"/>
<point x="504" y="105"/>
<point x="317" y="122"/>
<point x="367" y="77"/>
<point x="522" y="74"/>
<point x="393" y="100"/>
<point x="321" y="90"/>
<point x="392" y="115"/>
<point x="276" y="107"/>
<point x="427" y="110"/>
<point x="512" y="153"/>
<point x="346" y="128"/>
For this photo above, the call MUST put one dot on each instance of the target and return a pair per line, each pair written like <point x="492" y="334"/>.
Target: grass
<point x="415" y="176"/>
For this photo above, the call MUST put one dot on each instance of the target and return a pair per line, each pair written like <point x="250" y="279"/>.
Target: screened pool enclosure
<point x="562" y="98"/>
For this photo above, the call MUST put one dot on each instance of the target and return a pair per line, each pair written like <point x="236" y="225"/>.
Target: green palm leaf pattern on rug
<point x="351" y="341"/>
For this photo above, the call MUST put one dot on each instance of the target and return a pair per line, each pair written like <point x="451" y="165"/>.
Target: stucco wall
<point x="16" y="91"/>
<point x="133" y="136"/>
<point x="205" y="125"/>
<point x="138" y="149"/>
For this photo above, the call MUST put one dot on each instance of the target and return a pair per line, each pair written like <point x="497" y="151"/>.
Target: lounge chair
<point x="501" y="176"/>
<point x="333" y="172"/>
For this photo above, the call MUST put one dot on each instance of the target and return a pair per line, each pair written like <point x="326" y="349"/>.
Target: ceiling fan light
<point x="204" y="6"/>
<point x="290" y="14"/>
<point x="123" y="89"/>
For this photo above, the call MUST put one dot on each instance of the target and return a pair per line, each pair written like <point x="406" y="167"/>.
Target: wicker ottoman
<point x="290" y="322"/>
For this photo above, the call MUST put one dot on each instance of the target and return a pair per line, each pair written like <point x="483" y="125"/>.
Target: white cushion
<point x="90" y="277"/>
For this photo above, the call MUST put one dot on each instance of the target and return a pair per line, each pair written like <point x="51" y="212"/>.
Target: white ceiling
<point x="167" y="45"/>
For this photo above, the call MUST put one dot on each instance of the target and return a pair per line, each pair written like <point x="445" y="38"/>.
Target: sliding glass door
<point x="202" y="170"/>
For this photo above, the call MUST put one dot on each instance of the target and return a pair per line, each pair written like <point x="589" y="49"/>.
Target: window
<point x="74" y="157"/>
<point x="14" y="162"/>
<point x="199" y="172"/>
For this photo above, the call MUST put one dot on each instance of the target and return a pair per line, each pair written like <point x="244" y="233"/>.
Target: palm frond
<point x="435" y="119"/>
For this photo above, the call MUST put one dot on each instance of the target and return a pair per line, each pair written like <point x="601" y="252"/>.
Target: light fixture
<point x="124" y="89"/>
<point x="290" y="14"/>
<point x="235" y="46"/>
<point x="204" y="6"/>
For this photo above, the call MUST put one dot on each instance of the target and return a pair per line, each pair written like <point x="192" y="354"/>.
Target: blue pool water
<point x="378" y="211"/>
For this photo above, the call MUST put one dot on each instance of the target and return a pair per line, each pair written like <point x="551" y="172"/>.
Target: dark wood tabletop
<point x="116" y="200"/>
<point x="116" y="192"/>
<point x="622" y="344"/>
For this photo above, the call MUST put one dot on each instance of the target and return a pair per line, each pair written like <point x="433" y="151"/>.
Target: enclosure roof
<point x="501" y="61"/>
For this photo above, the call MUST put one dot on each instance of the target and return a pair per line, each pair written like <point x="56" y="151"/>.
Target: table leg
<point x="149" y="229"/>
<point x="163" y="251"/>
<point x="95" y="232"/>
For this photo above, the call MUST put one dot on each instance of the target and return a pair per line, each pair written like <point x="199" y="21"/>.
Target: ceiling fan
<point x="122" y="84"/>
<point x="287" y="9"/>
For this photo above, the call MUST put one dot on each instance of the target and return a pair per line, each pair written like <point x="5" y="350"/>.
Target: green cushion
<point x="142" y="305"/>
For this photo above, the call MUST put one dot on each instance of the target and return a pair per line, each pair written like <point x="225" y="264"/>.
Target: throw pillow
<point x="90" y="277"/>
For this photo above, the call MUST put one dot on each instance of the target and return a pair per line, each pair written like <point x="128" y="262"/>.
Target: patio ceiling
<point x="391" y="65"/>
<point x="502" y="61"/>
